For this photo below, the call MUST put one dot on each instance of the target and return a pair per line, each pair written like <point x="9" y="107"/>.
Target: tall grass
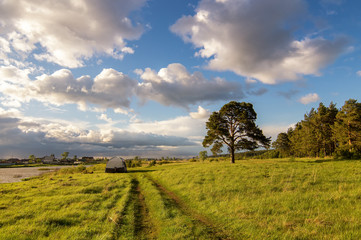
<point x="61" y="206"/>
<point x="267" y="199"/>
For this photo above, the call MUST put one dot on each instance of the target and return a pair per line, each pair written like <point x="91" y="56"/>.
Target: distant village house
<point x="49" y="160"/>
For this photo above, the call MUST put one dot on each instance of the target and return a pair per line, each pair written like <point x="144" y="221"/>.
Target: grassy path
<point x="169" y="218"/>
<point x="133" y="220"/>
<point x="174" y="201"/>
<point x="143" y="225"/>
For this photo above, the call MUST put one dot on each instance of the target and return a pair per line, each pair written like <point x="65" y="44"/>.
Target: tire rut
<point x="212" y="229"/>
<point x="119" y="216"/>
<point x="133" y="221"/>
<point x="144" y="228"/>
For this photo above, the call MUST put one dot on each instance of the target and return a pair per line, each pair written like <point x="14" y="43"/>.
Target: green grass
<point x="252" y="199"/>
<point x="268" y="199"/>
<point x="170" y="221"/>
<point x="61" y="206"/>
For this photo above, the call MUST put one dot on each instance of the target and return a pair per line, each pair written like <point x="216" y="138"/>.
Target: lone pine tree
<point x="234" y="125"/>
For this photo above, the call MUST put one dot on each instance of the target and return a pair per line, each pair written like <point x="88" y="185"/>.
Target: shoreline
<point x="13" y="174"/>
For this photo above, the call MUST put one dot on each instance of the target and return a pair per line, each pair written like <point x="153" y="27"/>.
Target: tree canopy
<point x="65" y="155"/>
<point x="324" y="131"/>
<point x="283" y="143"/>
<point x="234" y="125"/>
<point x="203" y="155"/>
<point x="347" y="129"/>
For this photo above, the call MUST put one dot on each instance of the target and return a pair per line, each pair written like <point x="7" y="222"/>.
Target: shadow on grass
<point x="335" y="160"/>
<point x="139" y="170"/>
<point x="323" y="161"/>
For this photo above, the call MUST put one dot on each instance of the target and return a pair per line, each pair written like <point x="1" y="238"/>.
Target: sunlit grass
<point x="61" y="206"/>
<point x="271" y="199"/>
<point x="252" y="199"/>
<point x="170" y="221"/>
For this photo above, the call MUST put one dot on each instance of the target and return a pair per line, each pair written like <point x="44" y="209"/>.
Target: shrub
<point x="133" y="163"/>
<point x="81" y="168"/>
<point x="356" y="156"/>
<point x="71" y="170"/>
<point x="164" y="162"/>
<point x="345" y="154"/>
<point x="152" y="163"/>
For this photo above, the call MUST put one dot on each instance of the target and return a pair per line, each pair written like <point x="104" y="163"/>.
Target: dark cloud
<point x="20" y="138"/>
<point x="288" y="94"/>
<point x="258" y="92"/>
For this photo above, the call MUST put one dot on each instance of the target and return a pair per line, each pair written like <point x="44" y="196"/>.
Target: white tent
<point x="116" y="165"/>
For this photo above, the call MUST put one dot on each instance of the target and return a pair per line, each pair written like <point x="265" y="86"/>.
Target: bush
<point x="356" y="156"/>
<point x="72" y="170"/>
<point x="152" y="163"/>
<point x="163" y="162"/>
<point x="213" y="160"/>
<point x="81" y="168"/>
<point x="344" y="154"/>
<point x="269" y="154"/>
<point x="133" y="163"/>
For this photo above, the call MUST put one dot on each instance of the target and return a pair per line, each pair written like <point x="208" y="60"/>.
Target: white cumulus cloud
<point x="192" y="126"/>
<point x="104" y="117"/>
<point x="256" y="39"/>
<point x="67" y="32"/>
<point x="109" y="89"/>
<point x="274" y="129"/>
<point x="200" y="114"/>
<point x="174" y="85"/>
<point x="309" y="98"/>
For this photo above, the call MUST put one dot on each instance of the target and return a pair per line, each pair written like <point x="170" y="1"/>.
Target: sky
<point x="141" y="77"/>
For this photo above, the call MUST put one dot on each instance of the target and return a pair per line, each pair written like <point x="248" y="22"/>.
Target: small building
<point x="48" y="160"/>
<point x="25" y="161"/>
<point x="116" y="165"/>
<point x="87" y="159"/>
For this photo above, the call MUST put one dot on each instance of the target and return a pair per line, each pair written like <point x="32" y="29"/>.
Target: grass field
<point x="252" y="199"/>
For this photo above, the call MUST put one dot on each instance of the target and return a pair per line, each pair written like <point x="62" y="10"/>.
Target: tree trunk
<point x="349" y="136"/>
<point x="232" y="155"/>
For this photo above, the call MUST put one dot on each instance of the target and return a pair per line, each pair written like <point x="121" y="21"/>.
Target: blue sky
<point x="141" y="77"/>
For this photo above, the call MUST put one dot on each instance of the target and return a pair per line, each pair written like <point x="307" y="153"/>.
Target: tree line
<point x="325" y="131"/>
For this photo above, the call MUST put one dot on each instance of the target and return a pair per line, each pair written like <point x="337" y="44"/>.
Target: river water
<point x="9" y="175"/>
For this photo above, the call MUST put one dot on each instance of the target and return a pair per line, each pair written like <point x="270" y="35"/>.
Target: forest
<point x="325" y="131"/>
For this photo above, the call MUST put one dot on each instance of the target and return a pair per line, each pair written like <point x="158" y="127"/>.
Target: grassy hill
<point x="252" y="199"/>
